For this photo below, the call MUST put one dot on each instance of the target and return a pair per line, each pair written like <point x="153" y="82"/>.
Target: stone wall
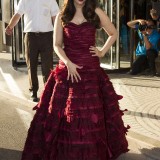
<point x="6" y="16"/>
<point x="6" y="13"/>
<point x="1" y="33"/>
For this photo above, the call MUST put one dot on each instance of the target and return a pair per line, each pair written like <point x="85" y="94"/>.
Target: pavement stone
<point x="143" y="105"/>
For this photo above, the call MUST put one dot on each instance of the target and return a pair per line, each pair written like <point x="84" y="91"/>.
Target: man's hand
<point x="153" y="11"/>
<point x="9" y="30"/>
<point x="142" y="21"/>
<point x="154" y="14"/>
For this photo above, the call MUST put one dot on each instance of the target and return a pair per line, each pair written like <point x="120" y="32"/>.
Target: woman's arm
<point x="58" y="42"/>
<point x="111" y="31"/>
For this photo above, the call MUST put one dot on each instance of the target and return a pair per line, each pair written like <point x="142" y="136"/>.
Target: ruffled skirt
<point x="77" y="121"/>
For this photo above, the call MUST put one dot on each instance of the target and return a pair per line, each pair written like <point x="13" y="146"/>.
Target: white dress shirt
<point x="37" y="14"/>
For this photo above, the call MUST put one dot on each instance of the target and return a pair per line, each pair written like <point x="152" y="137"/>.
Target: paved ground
<point x="141" y="98"/>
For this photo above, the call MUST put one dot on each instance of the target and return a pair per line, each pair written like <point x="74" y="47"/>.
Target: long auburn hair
<point x="88" y="10"/>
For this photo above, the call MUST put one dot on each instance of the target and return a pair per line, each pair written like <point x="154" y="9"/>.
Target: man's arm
<point x="14" y="20"/>
<point x="133" y="23"/>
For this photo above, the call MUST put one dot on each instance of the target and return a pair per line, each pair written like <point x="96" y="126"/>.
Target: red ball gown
<point x="77" y="121"/>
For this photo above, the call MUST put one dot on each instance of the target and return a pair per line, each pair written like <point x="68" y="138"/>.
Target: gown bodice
<point x="77" y="41"/>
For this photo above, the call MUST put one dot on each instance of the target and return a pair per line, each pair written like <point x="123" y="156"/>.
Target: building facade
<point x="121" y="54"/>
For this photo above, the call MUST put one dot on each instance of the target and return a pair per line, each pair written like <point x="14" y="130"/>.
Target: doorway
<point x="139" y="9"/>
<point x="111" y="59"/>
<point x="121" y="54"/>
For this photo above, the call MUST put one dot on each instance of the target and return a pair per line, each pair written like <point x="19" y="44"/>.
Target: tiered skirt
<point x="77" y="121"/>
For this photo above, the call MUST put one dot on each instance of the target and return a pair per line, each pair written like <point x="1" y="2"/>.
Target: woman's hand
<point x="72" y="71"/>
<point x="96" y="51"/>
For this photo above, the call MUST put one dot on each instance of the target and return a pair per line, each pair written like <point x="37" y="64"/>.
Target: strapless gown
<point x="85" y="122"/>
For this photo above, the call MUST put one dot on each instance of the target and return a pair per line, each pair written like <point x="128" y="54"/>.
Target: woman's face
<point x="79" y="2"/>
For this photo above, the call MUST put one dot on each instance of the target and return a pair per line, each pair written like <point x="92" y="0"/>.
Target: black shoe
<point x="149" y="72"/>
<point x="152" y="74"/>
<point x="34" y="96"/>
<point x="131" y="73"/>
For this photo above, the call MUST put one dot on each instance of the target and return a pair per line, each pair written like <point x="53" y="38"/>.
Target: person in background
<point x="147" y="48"/>
<point x="155" y="17"/>
<point x="78" y="115"/>
<point x="39" y="17"/>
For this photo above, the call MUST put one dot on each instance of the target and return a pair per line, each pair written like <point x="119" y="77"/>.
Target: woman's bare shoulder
<point x="102" y="15"/>
<point x="99" y="11"/>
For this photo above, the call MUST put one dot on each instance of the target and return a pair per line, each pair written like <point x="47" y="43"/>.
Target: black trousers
<point x="151" y="56"/>
<point x="143" y="62"/>
<point x="35" y="44"/>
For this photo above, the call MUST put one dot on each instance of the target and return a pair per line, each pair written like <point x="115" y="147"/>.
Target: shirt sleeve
<point x="136" y="26"/>
<point x="54" y="8"/>
<point x="20" y="9"/>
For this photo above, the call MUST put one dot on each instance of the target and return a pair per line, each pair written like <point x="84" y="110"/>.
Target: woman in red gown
<point x="78" y="116"/>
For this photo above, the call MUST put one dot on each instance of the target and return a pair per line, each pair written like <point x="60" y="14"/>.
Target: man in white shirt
<point x="39" y="16"/>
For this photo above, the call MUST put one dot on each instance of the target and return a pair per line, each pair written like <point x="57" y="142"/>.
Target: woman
<point x="78" y="117"/>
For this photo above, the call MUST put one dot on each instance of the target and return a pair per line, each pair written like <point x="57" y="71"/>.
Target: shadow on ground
<point x="153" y="153"/>
<point x="8" y="154"/>
<point x="144" y="154"/>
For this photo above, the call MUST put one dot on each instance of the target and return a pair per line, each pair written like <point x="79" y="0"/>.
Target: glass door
<point x="18" y="56"/>
<point x="139" y="9"/>
<point x="124" y="38"/>
<point x="121" y="54"/>
<point x="111" y="59"/>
